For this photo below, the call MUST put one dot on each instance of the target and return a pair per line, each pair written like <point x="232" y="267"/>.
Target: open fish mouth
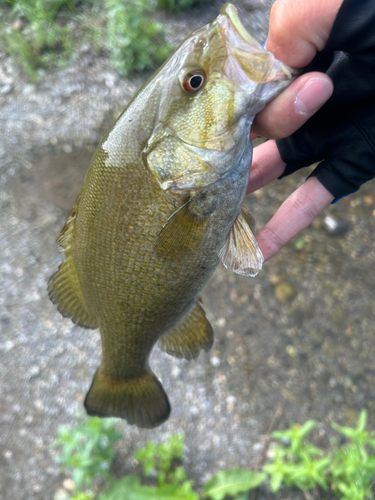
<point x="247" y="59"/>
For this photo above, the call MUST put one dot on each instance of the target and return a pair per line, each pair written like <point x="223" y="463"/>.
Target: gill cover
<point x="200" y="134"/>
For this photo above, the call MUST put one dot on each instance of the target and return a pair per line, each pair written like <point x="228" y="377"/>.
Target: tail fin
<point x="141" y="401"/>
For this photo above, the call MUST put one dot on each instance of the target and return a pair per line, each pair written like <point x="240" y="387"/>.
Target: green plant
<point x="87" y="450"/>
<point x="346" y="470"/>
<point x="298" y="463"/>
<point x="163" y="462"/>
<point x="36" y="39"/>
<point x="353" y="468"/>
<point x="232" y="482"/>
<point x="134" y="41"/>
<point x="177" y="4"/>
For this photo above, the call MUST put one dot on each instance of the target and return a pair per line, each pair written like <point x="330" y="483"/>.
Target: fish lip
<point x="230" y="12"/>
<point x="238" y="39"/>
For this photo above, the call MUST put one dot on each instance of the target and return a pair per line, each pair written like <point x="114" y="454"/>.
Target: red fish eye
<point x="194" y="81"/>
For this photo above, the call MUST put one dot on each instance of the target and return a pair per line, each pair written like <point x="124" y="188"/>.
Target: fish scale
<point x="160" y="206"/>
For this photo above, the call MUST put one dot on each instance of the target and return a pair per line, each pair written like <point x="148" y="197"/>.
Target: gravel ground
<point x="300" y="336"/>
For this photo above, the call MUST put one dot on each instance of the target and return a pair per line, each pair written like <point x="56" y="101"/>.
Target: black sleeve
<point x="341" y="135"/>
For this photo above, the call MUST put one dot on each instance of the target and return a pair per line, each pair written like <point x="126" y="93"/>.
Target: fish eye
<point x="193" y="81"/>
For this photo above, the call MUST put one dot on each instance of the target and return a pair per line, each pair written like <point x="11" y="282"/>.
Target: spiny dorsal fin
<point x="181" y="235"/>
<point x="240" y="252"/>
<point x="190" y="336"/>
<point x="64" y="240"/>
<point x="63" y="287"/>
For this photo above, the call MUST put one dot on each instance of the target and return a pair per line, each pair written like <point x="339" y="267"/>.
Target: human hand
<point x="298" y="29"/>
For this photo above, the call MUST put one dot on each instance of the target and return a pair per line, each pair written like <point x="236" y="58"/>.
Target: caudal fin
<point x="140" y="401"/>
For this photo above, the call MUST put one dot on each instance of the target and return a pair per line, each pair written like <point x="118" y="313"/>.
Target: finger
<point x="294" y="215"/>
<point x="298" y="29"/>
<point x="294" y="106"/>
<point x="266" y="166"/>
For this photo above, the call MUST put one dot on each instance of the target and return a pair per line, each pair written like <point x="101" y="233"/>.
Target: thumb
<point x="300" y="28"/>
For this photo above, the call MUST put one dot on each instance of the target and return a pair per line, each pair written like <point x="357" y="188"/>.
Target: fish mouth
<point x="246" y="55"/>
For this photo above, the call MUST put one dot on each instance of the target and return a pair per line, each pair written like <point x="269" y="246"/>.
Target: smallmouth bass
<point x="160" y="206"/>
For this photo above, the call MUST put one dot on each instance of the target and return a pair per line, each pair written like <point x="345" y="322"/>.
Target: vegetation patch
<point x="345" y="471"/>
<point x="45" y="34"/>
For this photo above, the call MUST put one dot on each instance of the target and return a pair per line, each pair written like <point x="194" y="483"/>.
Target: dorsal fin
<point x="63" y="287"/>
<point x="240" y="252"/>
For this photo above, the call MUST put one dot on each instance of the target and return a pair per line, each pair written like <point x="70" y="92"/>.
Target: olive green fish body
<point x="134" y="293"/>
<point x="160" y="206"/>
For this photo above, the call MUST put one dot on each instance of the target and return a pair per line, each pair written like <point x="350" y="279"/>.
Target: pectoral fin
<point x="190" y="336"/>
<point x="248" y="218"/>
<point x="240" y="252"/>
<point x="181" y="235"/>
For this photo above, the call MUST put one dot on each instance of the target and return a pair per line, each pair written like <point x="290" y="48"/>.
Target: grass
<point x="41" y="35"/>
<point x="346" y="470"/>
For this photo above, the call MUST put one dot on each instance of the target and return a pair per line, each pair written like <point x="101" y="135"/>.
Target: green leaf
<point x="120" y="488"/>
<point x="231" y="482"/>
<point x="129" y="488"/>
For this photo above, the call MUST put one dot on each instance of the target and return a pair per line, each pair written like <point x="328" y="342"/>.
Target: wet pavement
<point x="300" y="336"/>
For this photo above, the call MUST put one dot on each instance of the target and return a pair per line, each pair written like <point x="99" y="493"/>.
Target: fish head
<point x="210" y="90"/>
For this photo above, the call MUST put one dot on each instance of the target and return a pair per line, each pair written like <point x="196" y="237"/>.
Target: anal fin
<point x="240" y="252"/>
<point x="63" y="287"/>
<point x="192" y="334"/>
<point x="141" y="401"/>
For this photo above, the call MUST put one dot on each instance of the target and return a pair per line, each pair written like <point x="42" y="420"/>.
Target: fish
<point x="160" y="206"/>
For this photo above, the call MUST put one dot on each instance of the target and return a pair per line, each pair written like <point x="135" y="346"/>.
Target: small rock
<point x="275" y="279"/>
<point x="7" y="346"/>
<point x="335" y="227"/>
<point x="194" y="410"/>
<point x="29" y="89"/>
<point x="39" y="405"/>
<point x="67" y="148"/>
<point x="18" y="25"/>
<point x="69" y="484"/>
<point x="215" y="361"/>
<point x="6" y="89"/>
<point x="291" y="351"/>
<point x="369" y="199"/>
<point x="221" y="322"/>
<point x="61" y="494"/>
<point x="285" y="292"/>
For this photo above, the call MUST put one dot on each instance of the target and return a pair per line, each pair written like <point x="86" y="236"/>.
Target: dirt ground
<point x="300" y="336"/>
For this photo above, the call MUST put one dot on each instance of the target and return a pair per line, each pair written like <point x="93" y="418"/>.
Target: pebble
<point x="18" y="25"/>
<point x="67" y="148"/>
<point x="6" y="89"/>
<point x="335" y="227"/>
<point x="275" y="279"/>
<point x="61" y="494"/>
<point x="285" y="292"/>
<point x="7" y="346"/>
<point x="194" y="410"/>
<point x="69" y="484"/>
<point x="215" y="361"/>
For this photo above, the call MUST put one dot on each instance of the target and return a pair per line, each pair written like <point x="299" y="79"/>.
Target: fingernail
<point x="313" y="95"/>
